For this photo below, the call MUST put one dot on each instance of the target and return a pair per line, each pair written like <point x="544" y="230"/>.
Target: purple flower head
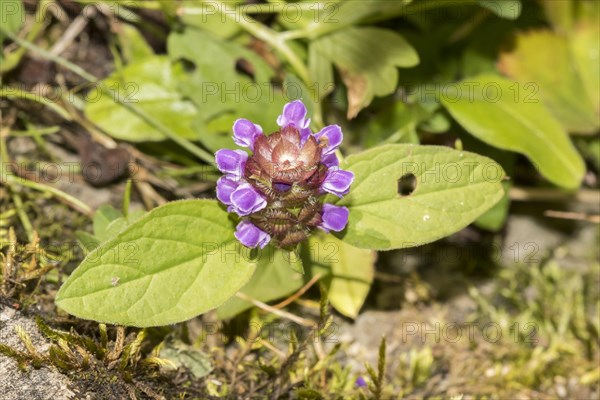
<point x="245" y="133"/>
<point x="334" y="218"/>
<point x="231" y="161"/>
<point x="250" y="236"/>
<point x="279" y="189"/>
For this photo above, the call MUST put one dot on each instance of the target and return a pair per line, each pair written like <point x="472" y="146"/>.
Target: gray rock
<point x="34" y="384"/>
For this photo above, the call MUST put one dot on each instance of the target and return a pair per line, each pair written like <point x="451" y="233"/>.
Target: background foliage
<point x="150" y="89"/>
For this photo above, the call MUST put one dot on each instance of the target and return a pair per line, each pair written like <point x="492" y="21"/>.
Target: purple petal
<point x="334" y="136"/>
<point x="245" y="133"/>
<point x="231" y="161"/>
<point x="337" y="182"/>
<point x="225" y="187"/>
<point x="294" y="113"/>
<point x="360" y="382"/>
<point x="250" y="236"/>
<point x="330" y="160"/>
<point x="304" y="135"/>
<point x="246" y="200"/>
<point x="334" y="218"/>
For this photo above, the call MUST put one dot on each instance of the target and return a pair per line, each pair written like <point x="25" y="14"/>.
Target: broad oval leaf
<point x="176" y="262"/>
<point x="495" y="111"/>
<point x="452" y="189"/>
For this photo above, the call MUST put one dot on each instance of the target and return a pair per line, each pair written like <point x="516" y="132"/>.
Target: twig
<point x="274" y="349"/>
<point x="572" y="215"/>
<point x="67" y="198"/>
<point x="283" y="314"/>
<point x="4" y="132"/>
<point x="71" y="33"/>
<point x="542" y="194"/>
<point x="300" y="292"/>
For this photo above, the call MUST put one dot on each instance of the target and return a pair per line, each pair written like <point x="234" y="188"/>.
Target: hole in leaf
<point x="244" y="66"/>
<point x="188" y="65"/>
<point x="407" y="184"/>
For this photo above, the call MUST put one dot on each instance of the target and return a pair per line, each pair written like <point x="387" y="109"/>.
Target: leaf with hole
<point x="452" y="188"/>
<point x="177" y="261"/>
<point x="226" y="81"/>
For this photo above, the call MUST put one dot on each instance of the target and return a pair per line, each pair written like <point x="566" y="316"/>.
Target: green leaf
<point x="570" y="87"/>
<point x="215" y="85"/>
<point x="178" y="261"/>
<point x="133" y="44"/>
<point x="221" y="93"/>
<point x="452" y="189"/>
<point x="350" y="271"/>
<point x="86" y="241"/>
<point x="584" y="48"/>
<point x="184" y="355"/>
<point x="319" y="19"/>
<point x="395" y="123"/>
<point x="150" y="85"/>
<point x="103" y="216"/>
<point x="367" y="58"/>
<point x="12" y="16"/>
<point x="560" y="14"/>
<point x="320" y="72"/>
<point x="495" y="218"/>
<point x="500" y="113"/>
<point x="509" y="9"/>
<point x="276" y="277"/>
<point x="108" y="222"/>
<point x="206" y="16"/>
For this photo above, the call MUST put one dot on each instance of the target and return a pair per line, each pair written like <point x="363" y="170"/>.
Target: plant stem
<point x="11" y="93"/>
<point x="70" y="200"/>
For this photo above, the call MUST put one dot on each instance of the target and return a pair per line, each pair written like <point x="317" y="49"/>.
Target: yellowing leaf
<point x="350" y="271"/>
<point x="505" y="117"/>
<point x="563" y="70"/>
